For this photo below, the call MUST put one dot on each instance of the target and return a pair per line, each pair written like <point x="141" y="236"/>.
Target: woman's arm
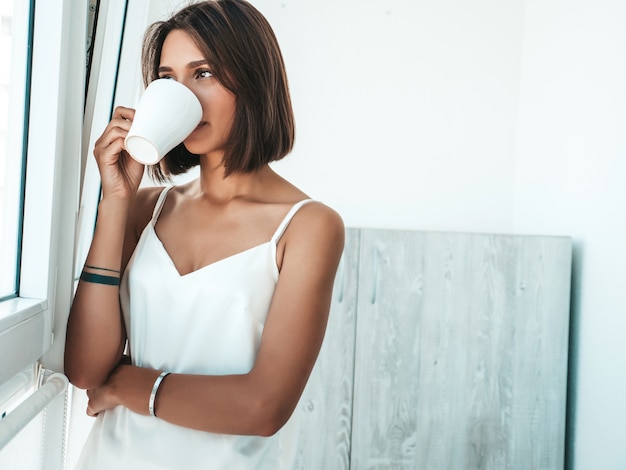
<point x="260" y="402"/>
<point x="95" y="331"/>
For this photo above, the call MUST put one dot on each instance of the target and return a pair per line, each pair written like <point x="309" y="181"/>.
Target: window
<point x="15" y="36"/>
<point x="47" y="89"/>
<point x="39" y="185"/>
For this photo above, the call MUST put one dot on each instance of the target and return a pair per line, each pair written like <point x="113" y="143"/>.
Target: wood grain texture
<point x="325" y="410"/>
<point x="461" y="351"/>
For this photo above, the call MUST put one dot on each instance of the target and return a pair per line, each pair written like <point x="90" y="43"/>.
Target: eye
<point x="167" y="77"/>
<point x="203" y="73"/>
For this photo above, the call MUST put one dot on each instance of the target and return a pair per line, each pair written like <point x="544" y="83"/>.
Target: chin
<point x="202" y="147"/>
<point x="192" y="149"/>
<point x="195" y="146"/>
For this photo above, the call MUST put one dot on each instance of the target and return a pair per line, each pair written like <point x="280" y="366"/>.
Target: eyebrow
<point x="190" y="65"/>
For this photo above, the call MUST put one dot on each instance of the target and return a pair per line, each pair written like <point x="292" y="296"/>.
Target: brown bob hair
<point x="244" y="56"/>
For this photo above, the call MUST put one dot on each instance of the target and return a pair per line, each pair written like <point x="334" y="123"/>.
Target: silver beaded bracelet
<point x="155" y="389"/>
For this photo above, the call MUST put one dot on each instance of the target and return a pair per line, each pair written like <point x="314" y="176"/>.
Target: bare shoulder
<point x="310" y="250"/>
<point x="314" y="221"/>
<point x="317" y="214"/>
<point x="143" y="206"/>
<point x="317" y="226"/>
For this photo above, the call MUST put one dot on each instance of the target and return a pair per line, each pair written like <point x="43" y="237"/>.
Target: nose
<point x="190" y="85"/>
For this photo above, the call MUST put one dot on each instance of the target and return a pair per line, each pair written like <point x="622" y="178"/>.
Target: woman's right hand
<point x="120" y="174"/>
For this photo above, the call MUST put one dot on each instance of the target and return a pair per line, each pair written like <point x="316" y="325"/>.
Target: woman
<point x="224" y="282"/>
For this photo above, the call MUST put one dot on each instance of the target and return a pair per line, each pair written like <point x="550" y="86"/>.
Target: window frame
<point x="50" y="205"/>
<point x="16" y="147"/>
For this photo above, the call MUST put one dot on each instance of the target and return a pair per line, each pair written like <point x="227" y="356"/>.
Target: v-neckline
<point x="206" y="266"/>
<point x="272" y="242"/>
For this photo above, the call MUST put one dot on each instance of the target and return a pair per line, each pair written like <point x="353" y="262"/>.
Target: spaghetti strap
<point x="159" y="204"/>
<point x="285" y="222"/>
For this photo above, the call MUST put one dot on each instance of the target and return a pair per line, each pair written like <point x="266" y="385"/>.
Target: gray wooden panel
<point x="461" y="351"/>
<point x="325" y="409"/>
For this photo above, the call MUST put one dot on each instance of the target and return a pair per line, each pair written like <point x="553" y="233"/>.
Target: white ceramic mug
<point x="165" y="115"/>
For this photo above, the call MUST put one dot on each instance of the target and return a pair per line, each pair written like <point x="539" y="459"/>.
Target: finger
<point x="120" y="123"/>
<point x="120" y="120"/>
<point x="124" y="113"/>
<point x="110" y="151"/>
<point x="110" y="154"/>
<point x="113" y="131"/>
<point x="111" y="136"/>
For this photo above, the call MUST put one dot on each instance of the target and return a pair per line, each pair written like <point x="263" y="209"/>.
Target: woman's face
<point x="182" y="61"/>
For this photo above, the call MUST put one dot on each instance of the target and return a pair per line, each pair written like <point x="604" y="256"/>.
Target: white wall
<point x="479" y="115"/>
<point x="571" y="178"/>
<point x="406" y="111"/>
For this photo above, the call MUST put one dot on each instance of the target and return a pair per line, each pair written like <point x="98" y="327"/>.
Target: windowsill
<point x="19" y="309"/>
<point x="23" y="337"/>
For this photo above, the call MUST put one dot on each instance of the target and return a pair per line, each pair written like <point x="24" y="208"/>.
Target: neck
<point x="214" y="186"/>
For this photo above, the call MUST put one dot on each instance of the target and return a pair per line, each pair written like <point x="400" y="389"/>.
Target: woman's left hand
<point x="128" y="386"/>
<point x="107" y="395"/>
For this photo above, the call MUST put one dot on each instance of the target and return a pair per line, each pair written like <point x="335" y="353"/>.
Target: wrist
<point x="153" y="394"/>
<point x="114" y="204"/>
<point x="113" y="213"/>
<point x="117" y="385"/>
